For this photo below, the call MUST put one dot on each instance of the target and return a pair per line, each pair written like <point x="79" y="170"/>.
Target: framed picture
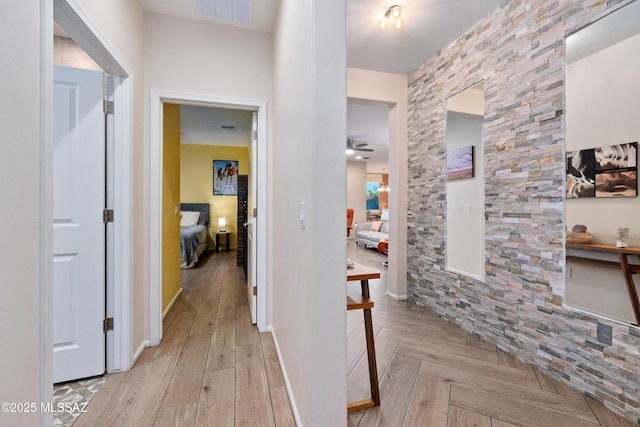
<point x="460" y="163"/>
<point x="225" y="177"/>
<point x="603" y="172"/>
<point x="617" y="170"/>
<point x="581" y="174"/>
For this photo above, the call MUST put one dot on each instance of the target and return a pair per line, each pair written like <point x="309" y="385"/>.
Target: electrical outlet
<point x="605" y="334"/>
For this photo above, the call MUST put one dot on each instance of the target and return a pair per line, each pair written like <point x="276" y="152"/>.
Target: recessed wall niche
<point x="465" y="182"/>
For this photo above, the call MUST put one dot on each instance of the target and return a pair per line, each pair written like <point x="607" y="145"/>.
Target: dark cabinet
<point x="243" y="193"/>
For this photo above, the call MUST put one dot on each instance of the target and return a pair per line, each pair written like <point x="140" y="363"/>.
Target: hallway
<point x="212" y="368"/>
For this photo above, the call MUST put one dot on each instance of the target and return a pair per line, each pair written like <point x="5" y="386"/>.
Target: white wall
<point x="202" y="57"/>
<point x="26" y="37"/>
<point x="20" y="227"/>
<point x="390" y="89"/>
<point x="357" y="190"/>
<point x="309" y="313"/>
<point x="602" y="109"/>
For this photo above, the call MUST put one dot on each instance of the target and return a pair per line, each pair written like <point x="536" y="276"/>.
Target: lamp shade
<point x="222" y="223"/>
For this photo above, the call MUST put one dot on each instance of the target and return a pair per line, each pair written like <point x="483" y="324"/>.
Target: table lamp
<point x="222" y="223"/>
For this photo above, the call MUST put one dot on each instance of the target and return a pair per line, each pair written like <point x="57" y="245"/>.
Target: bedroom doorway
<point x="257" y="215"/>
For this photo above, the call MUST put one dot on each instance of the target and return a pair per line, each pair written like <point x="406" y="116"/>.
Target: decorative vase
<point x="622" y="237"/>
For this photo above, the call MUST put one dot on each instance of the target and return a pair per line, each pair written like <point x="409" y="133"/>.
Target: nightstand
<point x="223" y="233"/>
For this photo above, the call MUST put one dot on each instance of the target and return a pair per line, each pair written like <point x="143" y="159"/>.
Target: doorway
<point x="118" y="268"/>
<point x="158" y="98"/>
<point x="396" y="162"/>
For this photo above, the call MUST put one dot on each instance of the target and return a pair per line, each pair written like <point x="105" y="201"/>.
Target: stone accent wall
<point x="518" y="50"/>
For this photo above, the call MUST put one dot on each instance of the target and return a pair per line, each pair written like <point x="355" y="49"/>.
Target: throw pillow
<point x="188" y="218"/>
<point x="375" y="226"/>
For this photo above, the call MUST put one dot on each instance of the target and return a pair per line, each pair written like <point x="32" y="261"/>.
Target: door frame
<point x="157" y="98"/>
<point x="118" y="350"/>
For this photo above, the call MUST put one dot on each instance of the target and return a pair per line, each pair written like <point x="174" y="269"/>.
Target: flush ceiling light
<point x="392" y="15"/>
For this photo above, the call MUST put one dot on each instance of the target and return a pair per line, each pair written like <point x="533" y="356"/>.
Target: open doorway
<point x="367" y="157"/>
<point x="72" y="41"/>
<point x="390" y="90"/>
<point x="257" y="217"/>
<point x="208" y="191"/>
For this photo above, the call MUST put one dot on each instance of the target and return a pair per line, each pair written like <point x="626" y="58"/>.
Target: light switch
<point x="466" y="208"/>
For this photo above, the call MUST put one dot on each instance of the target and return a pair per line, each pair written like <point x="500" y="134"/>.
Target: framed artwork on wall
<point x="460" y="163"/>
<point x="225" y="177"/>
<point x="603" y="172"/>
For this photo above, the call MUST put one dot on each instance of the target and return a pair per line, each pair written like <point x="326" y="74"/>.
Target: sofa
<point x="370" y="238"/>
<point x="373" y="214"/>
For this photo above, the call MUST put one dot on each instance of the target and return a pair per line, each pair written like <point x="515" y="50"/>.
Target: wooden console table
<point x="628" y="269"/>
<point x="363" y="302"/>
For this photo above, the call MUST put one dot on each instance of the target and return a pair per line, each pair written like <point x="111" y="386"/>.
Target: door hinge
<point x="255" y="290"/>
<point x="107" y="215"/>
<point x="107" y="107"/>
<point x="255" y="212"/>
<point x="107" y="324"/>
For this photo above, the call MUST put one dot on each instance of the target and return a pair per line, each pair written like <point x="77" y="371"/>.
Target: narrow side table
<point x="224" y="233"/>
<point x="363" y="301"/>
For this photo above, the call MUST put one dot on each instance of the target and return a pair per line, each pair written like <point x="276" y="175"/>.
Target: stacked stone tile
<point x="518" y="51"/>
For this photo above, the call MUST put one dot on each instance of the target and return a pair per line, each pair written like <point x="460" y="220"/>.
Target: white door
<point x="252" y="284"/>
<point x="78" y="228"/>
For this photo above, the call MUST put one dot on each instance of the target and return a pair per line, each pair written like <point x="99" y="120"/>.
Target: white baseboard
<point x="164" y="313"/>
<point x="292" y="401"/>
<point x="138" y="352"/>
<point x="396" y="297"/>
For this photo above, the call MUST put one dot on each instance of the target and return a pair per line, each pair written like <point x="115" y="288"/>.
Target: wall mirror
<point x="465" y="182"/>
<point x="602" y="88"/>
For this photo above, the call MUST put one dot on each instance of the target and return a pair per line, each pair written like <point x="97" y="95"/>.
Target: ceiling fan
<point x="356" y="146"/>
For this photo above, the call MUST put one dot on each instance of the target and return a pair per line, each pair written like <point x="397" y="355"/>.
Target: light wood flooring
<point x="434" y="374"/>
<point x="213" y="368"/>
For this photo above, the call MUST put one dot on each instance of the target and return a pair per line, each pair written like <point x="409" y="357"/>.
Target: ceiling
<point x="368" y="123"/>
<point x="428" y="26"/>
<point x="202" y="125"/>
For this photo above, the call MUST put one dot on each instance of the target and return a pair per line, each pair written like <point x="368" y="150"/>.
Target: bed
<point x="194" y="222"/>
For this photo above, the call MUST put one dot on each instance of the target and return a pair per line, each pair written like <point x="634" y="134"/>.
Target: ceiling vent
<point x="238" y="11"/>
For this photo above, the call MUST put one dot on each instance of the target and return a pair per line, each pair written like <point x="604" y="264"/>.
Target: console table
<point x="363" y="302"/>
<point x="628" y="269"/>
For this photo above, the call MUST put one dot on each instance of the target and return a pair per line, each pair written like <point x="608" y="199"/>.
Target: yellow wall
<point x="196" y="182"/>
<point x="170" y="203"/>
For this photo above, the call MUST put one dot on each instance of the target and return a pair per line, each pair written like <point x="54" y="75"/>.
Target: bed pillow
<point x="375" y="226"/>
<point x="203" y="218"/>
<point x="188" y="218"/>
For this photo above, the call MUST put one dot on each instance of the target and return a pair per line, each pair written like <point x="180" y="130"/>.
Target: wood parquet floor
<point x="213" y="368"/>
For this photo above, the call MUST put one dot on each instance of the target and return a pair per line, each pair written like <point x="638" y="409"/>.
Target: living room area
<point x="368" y="175"/>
